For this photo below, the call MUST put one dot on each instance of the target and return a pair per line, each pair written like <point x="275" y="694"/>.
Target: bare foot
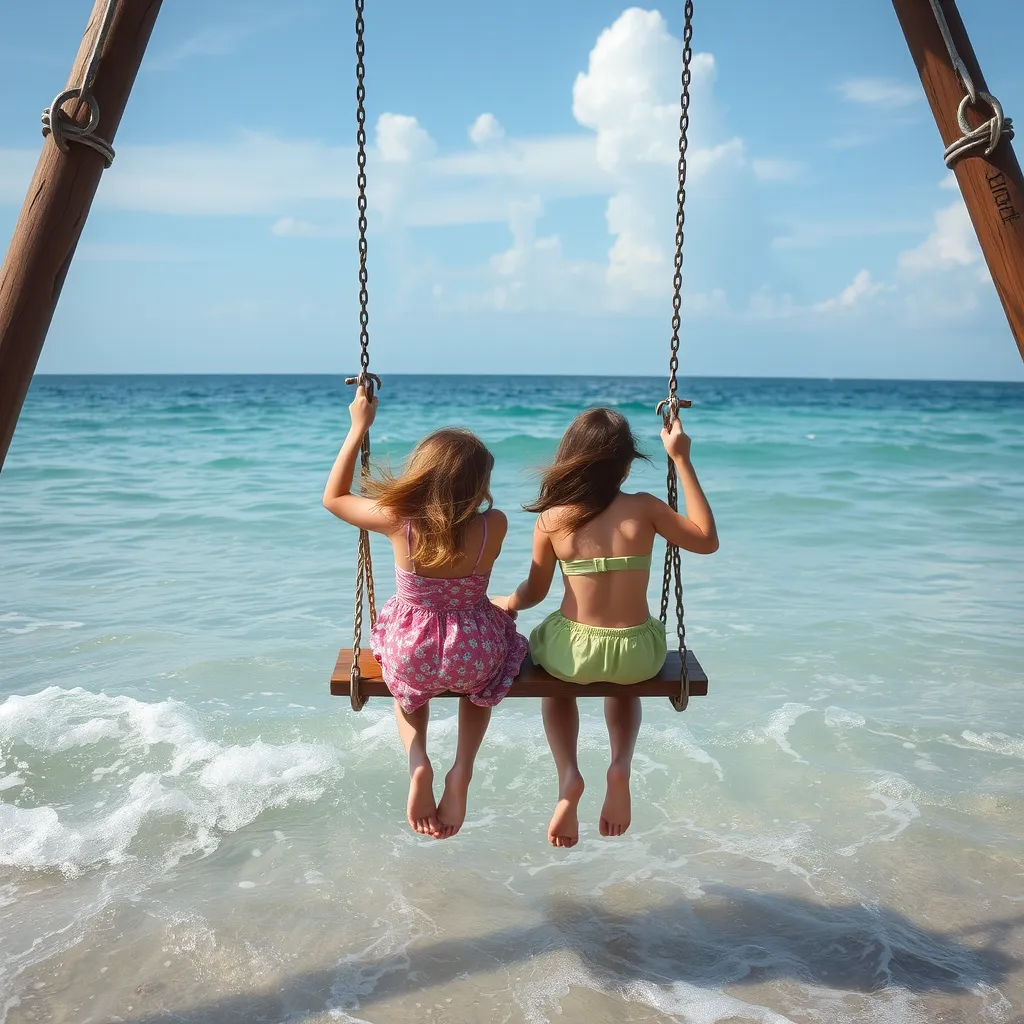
<point x="451" y="811"/>
<point x="564" y="827"/>
<point x="422" y="811"/>
<point x="616" y="813"/>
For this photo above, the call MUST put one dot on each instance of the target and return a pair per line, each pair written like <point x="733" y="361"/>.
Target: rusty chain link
<point x="364" y="560"/>
<point x="669" y="407"/>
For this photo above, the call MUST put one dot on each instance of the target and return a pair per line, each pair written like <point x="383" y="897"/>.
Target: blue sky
<point x="521" y="191"/>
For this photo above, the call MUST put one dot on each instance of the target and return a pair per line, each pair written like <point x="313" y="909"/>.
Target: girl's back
<point x="624" y="532"/>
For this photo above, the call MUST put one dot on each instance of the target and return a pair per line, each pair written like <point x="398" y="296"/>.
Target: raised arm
<point x="338" y="496"/>
<point x="694" y="529"/>
<point x="535" y="587"/>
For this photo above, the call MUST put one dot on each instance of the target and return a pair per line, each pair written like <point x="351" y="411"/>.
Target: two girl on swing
<point x="441" y="631"/>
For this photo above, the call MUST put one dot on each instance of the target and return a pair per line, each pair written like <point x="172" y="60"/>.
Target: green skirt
<point x="577" y="653"/>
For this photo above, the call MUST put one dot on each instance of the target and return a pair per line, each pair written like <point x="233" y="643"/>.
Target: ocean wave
<point x="143" y="765"/>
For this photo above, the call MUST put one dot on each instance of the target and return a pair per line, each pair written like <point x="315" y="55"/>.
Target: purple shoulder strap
<point x="483" y="544"/>
<point x="408" y="544"/>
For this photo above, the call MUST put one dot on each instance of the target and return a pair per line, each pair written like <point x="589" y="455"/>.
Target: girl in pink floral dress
<point x="439" y="632"/>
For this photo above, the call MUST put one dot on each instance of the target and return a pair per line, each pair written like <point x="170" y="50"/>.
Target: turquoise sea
<point x="192" y="830"/>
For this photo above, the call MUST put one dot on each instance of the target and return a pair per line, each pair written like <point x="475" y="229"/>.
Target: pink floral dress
<point x="444" y="634"/>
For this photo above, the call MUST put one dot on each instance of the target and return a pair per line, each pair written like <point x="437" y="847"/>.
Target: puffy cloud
<point x="625" y="95"/>
<point x="629" y="97"/>
<point x="486" y="128"/>
<point x="858" y="291"/>
<point x="952" y="243"/>
<point x="401" y="139"/>
<point x="626" y="102"/>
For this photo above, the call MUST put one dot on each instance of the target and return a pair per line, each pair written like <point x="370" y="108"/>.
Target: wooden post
<point x="58" y="203"/>
<point x="992" y="187"/>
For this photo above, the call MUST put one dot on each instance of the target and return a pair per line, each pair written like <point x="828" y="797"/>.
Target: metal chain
<point x="59" y="124"/>
<point x="364" y="314"/>
<point x="364" y="560"/>
<point x="988" y="134"/>
<point x="669" y="407"/>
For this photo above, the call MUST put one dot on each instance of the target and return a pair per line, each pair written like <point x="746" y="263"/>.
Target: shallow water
<point x="192" y="830"/>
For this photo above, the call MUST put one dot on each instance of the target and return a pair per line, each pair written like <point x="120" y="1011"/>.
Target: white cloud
<point x="486" y="128"/>
<point x="856" y="293"/>
<point x="820" y="234"/>
<point x="879" y="92"/>
<point x="629" y="96"/>
<point x="626" y="102"/>
<point x="254" y="173"/>
<point x="941" y="279"/>
<point x="401" y="139"/>
<point x="625" y="94"/>
<point x="952" y="243"/>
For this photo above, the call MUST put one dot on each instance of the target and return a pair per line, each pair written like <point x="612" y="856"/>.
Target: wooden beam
<point x="57" y="205"/>
<point x="992" y="187"/>
<point x="535" y="682"/>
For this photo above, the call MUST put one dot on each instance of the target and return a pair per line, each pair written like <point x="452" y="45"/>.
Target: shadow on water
<point x="730" y="937"/>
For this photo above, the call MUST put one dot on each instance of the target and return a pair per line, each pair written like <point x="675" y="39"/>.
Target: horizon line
<point x="566" y="376"/>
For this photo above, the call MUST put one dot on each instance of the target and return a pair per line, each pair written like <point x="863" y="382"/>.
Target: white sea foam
<point x="840" y="718"/>
<point x="699" y="1005"/>
<point x="14" y="622"/>
<point x="679" y="738"/>
<point x="996" y="742"/>
<point x="176" y="773"/>
<point x="35" y="837"/>
<point x="776" y="729"/>
<point x="897" y="812"/>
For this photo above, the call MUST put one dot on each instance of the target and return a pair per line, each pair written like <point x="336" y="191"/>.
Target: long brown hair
<point x="442" y="486"/>
<point x="591" y="464"/>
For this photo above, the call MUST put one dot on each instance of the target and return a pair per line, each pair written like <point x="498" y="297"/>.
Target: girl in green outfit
<point x="602" y="538"/>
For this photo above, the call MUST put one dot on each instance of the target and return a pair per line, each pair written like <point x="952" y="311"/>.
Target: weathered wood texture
<point x="535" y="682"/>
<point x="992" y="187"/>
<point x="57" y="205"/>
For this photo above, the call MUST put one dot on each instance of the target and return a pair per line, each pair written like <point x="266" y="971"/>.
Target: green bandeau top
<point x="586" y="566"/>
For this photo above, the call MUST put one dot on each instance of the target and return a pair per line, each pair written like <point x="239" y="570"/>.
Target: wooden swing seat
<point x="533" y="681"/>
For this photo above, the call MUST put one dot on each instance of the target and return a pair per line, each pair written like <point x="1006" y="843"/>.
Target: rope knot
<point x="64" y="129"/>
<point x="987" y="135"/>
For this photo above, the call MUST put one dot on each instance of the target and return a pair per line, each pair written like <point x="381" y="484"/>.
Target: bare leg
<point x="451" y="811"/>
<point x="622" y="716"/>
<point x="562" y="726"/>
<point x="422" y="811"/>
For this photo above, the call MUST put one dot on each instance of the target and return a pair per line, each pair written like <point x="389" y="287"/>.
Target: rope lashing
<point x="364" y="560"/>
<point x="669" y="407"/>
<point x="988" y="134"/>
<point x="64" y="128"/>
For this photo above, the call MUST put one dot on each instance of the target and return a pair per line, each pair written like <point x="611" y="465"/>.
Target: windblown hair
<point x="441" y="488"/>
<point x="591" y="464"/>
